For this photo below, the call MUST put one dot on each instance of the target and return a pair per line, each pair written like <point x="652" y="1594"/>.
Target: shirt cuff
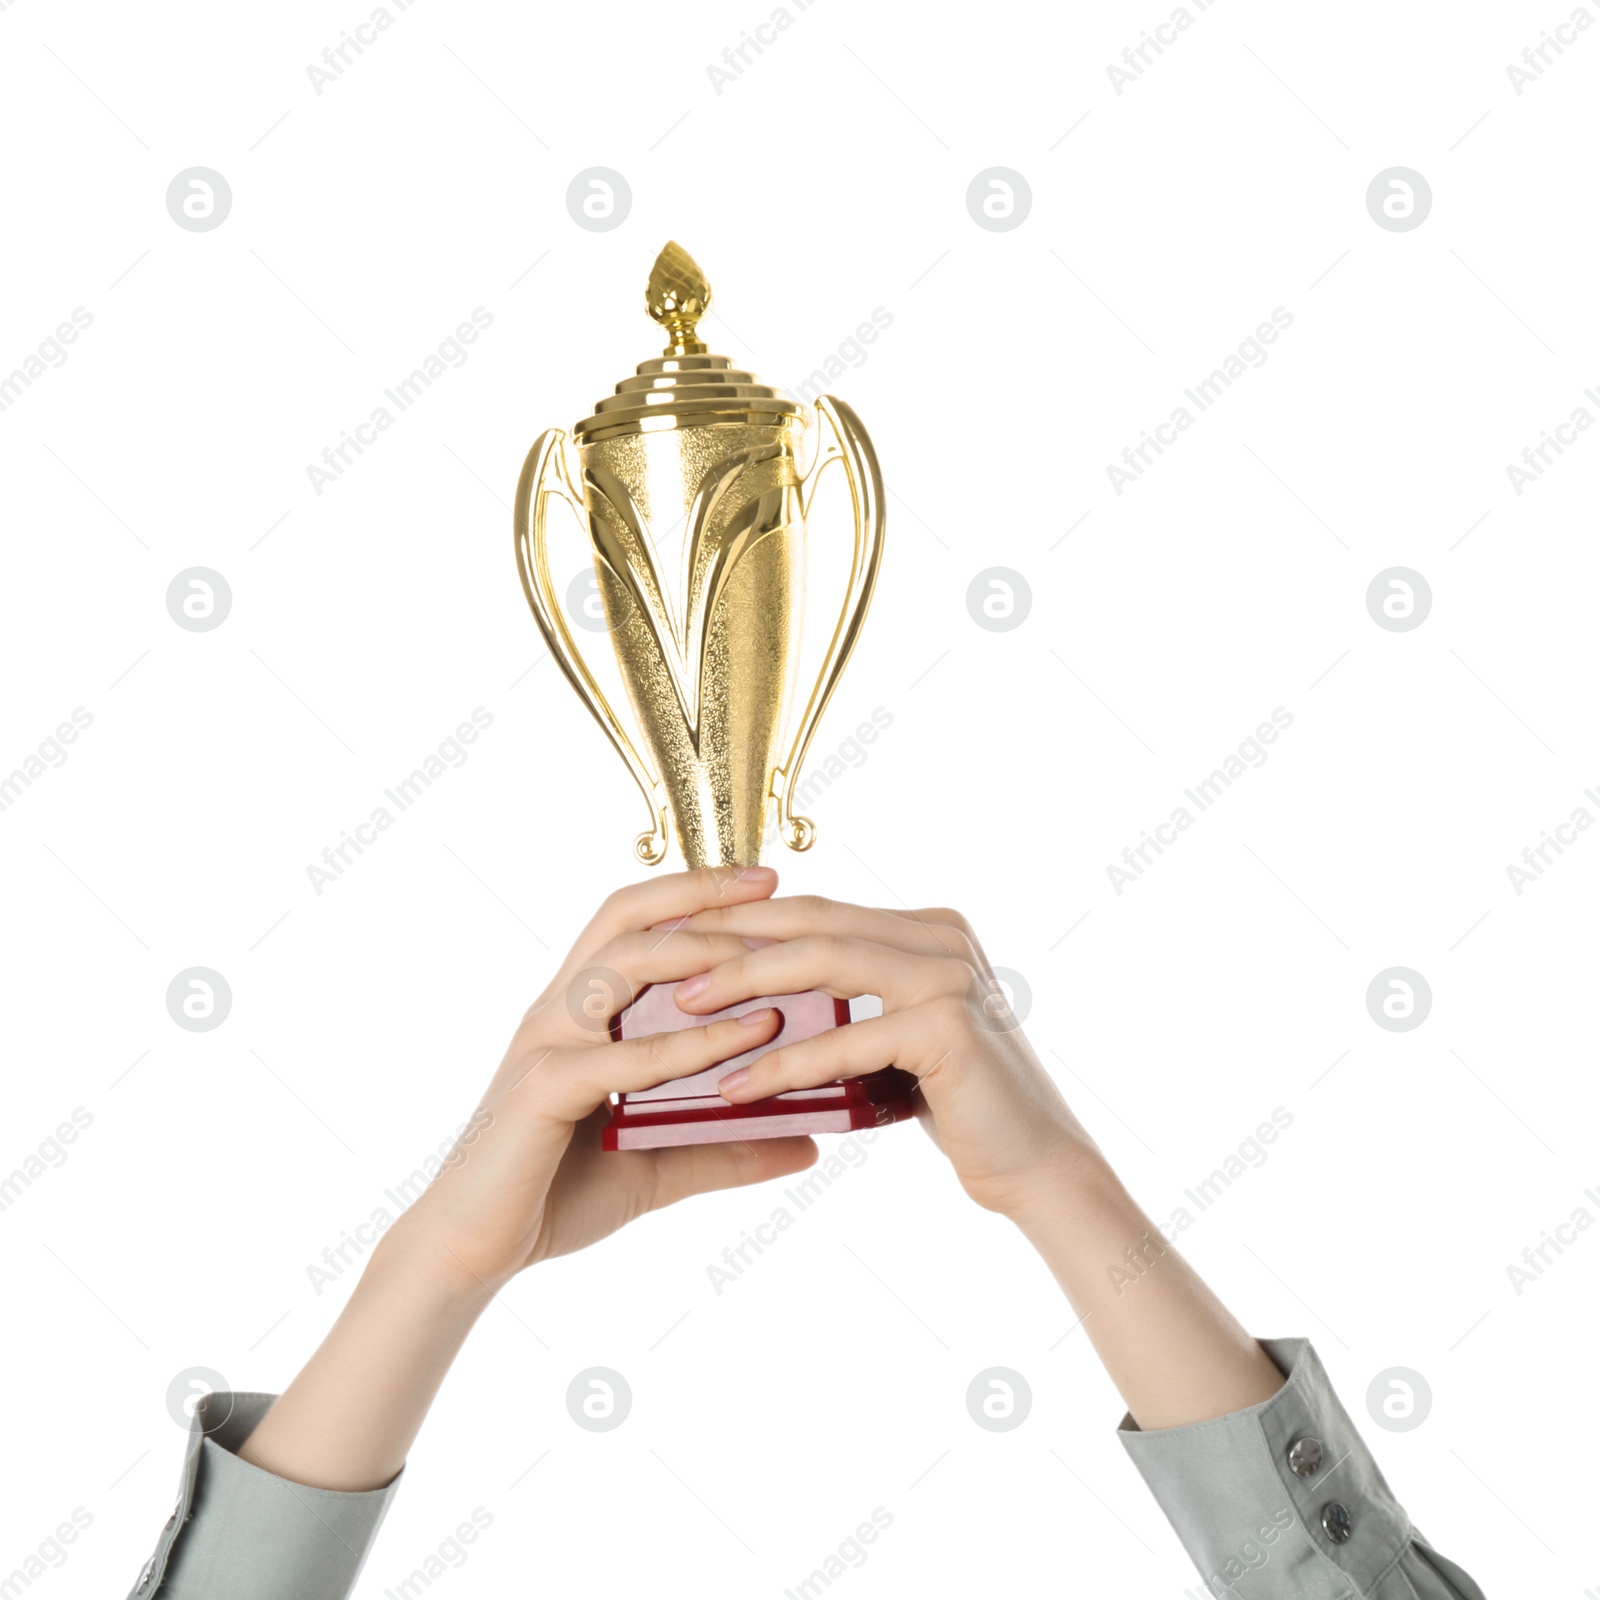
<point x="239" y="1532"/>
<point x="1284" y="1498"/>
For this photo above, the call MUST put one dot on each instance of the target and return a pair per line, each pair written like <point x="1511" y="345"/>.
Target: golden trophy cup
<point x="688" y="480"/>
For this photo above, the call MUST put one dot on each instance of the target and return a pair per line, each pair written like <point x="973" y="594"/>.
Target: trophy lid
<point x="686" y="386"/>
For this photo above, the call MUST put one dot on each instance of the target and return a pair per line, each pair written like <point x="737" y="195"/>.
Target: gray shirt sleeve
<point x="241" y="1533"/>
<point x="1283" y="1498"/>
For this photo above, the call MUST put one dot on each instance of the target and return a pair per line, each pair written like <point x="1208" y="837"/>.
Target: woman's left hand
<point x="989" y="1104"/>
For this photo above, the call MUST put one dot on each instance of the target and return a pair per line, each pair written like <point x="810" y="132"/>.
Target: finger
<point x="580" y="1079"/>
<point x="944" y="917"/>
<point x="680" y="894"/>
<point x="795" y="916"/>
<point x="916" y="1041"/>
<point x="619" y="969"/>
<point x="838" y="966"/>
<point x="700" y="1168"/>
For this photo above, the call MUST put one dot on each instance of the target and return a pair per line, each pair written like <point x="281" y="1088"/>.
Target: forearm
<point x="348" y="1421"/>
<point x="1174" y="1351"/>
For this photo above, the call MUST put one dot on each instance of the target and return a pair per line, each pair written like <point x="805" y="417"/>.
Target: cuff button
<point x="1336" y="1522"/>
<point x="1305" y="1458"/>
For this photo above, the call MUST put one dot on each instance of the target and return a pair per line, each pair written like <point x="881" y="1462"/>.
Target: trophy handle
<point x="544" y="474"/>
<point x="846" y="440"/>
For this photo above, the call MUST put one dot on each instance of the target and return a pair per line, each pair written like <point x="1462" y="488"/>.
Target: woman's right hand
<point x="528" y="1179"/>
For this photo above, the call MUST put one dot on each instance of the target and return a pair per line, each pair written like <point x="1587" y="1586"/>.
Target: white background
<point x="827" y="180"/>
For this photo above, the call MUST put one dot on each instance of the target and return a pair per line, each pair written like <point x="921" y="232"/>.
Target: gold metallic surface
<point x="678" y="296"/>
<point x="688" y="482"/>
<point x="684" y="392"/>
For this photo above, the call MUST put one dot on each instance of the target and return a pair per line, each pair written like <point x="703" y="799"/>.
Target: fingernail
<point x="670" y="926"/>
<point x="757" y="944"/>
<point x="734" y="1080"/>
<point x="690" y="988"/>
<point x="752" y="1019"/>
<point x="756" y="875"/>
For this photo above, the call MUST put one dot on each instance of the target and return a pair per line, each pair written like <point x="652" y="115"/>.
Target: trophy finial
<point x="678" y="296"/>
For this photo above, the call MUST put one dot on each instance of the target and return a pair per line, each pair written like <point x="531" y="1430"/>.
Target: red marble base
<point x="690" y="1111"/>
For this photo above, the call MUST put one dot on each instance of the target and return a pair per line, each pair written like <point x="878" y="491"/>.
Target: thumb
<point x="689" y="1169"/>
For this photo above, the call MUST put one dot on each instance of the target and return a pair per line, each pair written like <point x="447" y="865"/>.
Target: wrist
<point x="413" y="1262"/>
<point x="1067" y="1192"/>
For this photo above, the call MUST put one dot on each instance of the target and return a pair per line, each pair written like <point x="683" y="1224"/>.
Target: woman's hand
<point x="1168" y="1343"/>
<point x="525" y="1181"/>
<point x="528" y="1179"/>
<point x="987" y="1101"/>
